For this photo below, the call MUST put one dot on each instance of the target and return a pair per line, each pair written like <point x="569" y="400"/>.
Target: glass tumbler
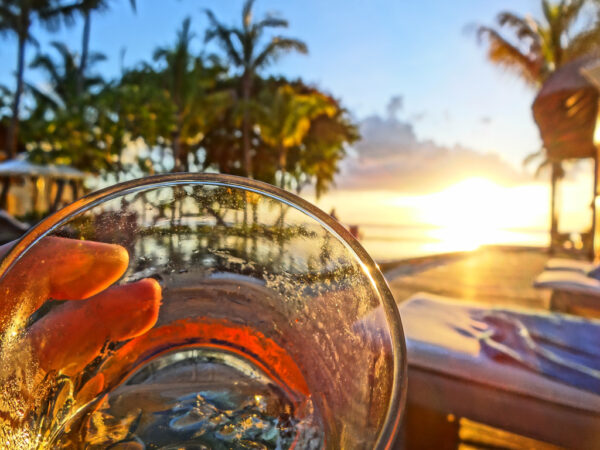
<point x="196" y="311"/>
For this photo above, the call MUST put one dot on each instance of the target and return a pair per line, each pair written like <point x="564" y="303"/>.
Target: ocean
<point x="394" y="242"/>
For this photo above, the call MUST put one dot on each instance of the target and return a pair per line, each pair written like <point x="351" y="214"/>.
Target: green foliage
<point x="284" y="115"/>
<point x="16" y="18"/>
<point x="184" y="111"/>
<point x="534" y="48"/>
<point x="242" y="47"/>
<point x="66" y="127"/>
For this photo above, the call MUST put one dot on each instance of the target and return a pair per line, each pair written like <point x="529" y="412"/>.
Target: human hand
<point x="82" y="272"/>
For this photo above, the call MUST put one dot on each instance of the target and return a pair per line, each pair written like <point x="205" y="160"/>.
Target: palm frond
<point x="522" y="26"/>
<point x="532" y="157"/>
<point x="276" y="47"/>
<point x="272" y="22"/>
<point x="541" y="167"/>
<point x="52" y="16"/>
<point x="9" y="20"/>
<point x="96" y="57"/>
<point x="86" y="6"/>
<point x="91" y="82"/>
<point x="45" y="63"/>
<point x="570" y="12"/>
<point x="223" y="36"/>
<point x="63" y="50"/>
<point x="33" y="41"/>
<point x="247" y="13"/>
<point x="548" y="10"/>
<point x="43" y="99"/>
<point x="5" y="91"/>
<point x="185" y="31"/>
<point x="160" y="53"/>
<point x="583" y="44"/>
<point x="506" y="55"/>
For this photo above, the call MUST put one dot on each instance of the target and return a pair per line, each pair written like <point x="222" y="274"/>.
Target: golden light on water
<point x="472" y="212"/>
<point x="478" y="211"/>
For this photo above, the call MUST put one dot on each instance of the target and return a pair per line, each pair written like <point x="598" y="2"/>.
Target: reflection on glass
<point x="265" y="337"/>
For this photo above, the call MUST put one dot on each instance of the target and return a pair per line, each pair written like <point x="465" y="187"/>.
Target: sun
<point x="475" y="211"/>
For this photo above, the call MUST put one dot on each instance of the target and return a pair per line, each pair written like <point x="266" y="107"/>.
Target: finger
<point x="63" y="269"/>
<point x="72" y="335"/>
<point x="90" y="389"/>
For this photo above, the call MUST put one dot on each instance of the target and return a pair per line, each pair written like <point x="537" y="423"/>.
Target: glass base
<point x="203" y="398"/>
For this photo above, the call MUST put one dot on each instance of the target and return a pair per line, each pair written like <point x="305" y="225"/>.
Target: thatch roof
<point x="566" y="111"/>
<point x="20" y="167"/>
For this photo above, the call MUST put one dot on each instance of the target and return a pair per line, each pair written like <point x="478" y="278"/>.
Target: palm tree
<point x="536" y="49"/>
<point x="241" y="46"/>
<point x="63" y="79"/>
<point x="86" y="7"/>
<point x="284" y="118"/>
<point x="191" y="85"/>
<point x="63" y="126"/>
<point x="16" y="17"/>
<point x="557" y="173"/>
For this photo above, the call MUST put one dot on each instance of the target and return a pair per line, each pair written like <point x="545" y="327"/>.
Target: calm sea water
<point x="393" y="242"/>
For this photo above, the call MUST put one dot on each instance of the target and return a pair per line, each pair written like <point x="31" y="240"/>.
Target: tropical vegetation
<point x="179" y="109"/>
<point x="533" y="49"/>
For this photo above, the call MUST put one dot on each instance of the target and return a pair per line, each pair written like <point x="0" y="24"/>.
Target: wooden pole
<point x="4" y="193"/>
<point x="554" y="237"/>
<point x="595" y="247"/>
<point x="60" y="185"/>
<point x="36" y="194"/>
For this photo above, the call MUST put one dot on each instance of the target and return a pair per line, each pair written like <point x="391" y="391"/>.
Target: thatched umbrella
<point x="20" y="167"/>
<point x="566" y="112"/>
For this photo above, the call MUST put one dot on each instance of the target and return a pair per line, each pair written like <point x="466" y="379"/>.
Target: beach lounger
<point x="534" y="374"/>
<point x="572" y="292"/>
<point x="571" y="265"/>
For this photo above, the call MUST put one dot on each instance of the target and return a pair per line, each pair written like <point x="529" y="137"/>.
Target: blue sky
<point x="363" y="52"/>
<point x="461" y="118"/>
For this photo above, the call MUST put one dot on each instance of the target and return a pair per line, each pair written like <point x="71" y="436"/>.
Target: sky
<point x="432" y="111"/>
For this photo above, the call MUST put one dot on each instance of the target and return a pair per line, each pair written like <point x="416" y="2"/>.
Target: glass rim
<point x="397" y="401"/>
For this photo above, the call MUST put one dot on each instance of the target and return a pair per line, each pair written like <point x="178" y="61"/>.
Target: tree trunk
<point x="177" y="147"/>
<point x="282" y="164"/>
<point x="246" y="92"/>
<point x="176" y="152"/>
<point x="85" y="44"/>
<point x="185" y="155"/>
<point x="13" y="130"/>
<point x="554" y="177"/>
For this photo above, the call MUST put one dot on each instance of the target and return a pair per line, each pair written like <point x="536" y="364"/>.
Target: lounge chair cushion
<point x="554" y="356"/>
<point x="566" y="280"/>
<point x="570" y="265"/>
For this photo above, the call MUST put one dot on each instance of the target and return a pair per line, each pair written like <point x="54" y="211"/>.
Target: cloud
<point x="391" y="156"/>
<point x="394" y="105"/>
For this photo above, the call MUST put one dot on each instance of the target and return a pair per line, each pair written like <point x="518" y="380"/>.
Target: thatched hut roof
<point x="566" y="111"/>
<point x="20" y="167"/>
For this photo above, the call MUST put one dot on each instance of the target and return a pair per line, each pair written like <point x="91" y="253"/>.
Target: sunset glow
<point x="478" y="211"/>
